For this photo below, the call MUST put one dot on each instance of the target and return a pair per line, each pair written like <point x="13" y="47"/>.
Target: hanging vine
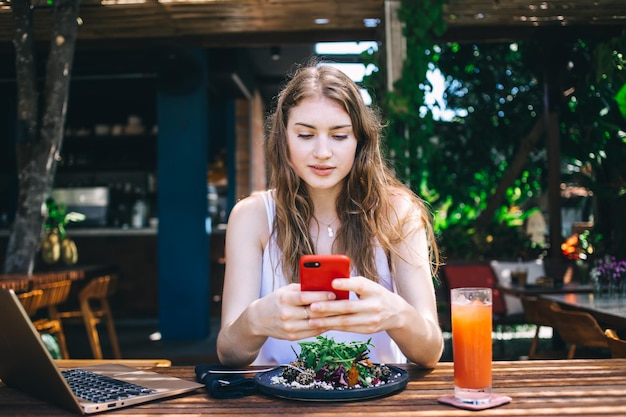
<point x="410" y="123"/>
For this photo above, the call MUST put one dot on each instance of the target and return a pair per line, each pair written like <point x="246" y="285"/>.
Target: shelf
<point x="106" y="139"/>
<point x="108" y="153"/>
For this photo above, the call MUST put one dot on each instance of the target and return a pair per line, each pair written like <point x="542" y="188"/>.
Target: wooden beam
<point x="395" y="43"/>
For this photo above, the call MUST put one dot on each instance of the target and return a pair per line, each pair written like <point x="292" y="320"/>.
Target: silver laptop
<point x="25" y="364"/>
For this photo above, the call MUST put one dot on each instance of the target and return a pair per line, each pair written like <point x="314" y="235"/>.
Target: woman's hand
<point x="375" y="310"/>
<point x="285" y="313"/>
<point x="378" y="309"/>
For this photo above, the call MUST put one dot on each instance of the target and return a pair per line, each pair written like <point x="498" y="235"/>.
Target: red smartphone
<point x="318" y="271"/>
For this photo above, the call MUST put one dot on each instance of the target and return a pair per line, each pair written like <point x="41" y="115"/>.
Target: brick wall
<point x="250" y="158"/>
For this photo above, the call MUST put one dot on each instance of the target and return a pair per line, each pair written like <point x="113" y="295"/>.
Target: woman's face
<point x="322" y="146"/>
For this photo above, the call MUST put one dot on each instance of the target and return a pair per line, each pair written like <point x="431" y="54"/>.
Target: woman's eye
<point x="305" y="135"/>
<point x="340" y="137"/>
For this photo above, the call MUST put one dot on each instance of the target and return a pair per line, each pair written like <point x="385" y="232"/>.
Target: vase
<point x="583" y="271"/>
<point x="597" y="287"/>
<point x="621" y="290"/>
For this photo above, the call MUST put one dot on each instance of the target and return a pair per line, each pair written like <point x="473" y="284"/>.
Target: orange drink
<point x="471" y="344"/>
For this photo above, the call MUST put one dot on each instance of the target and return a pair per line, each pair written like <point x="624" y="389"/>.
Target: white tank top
<point x="277" y="351"/>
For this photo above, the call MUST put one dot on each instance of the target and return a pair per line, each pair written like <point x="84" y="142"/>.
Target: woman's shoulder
<point x="251" y="208"/>
<point x="405" y="208"/>
<point x="248" y="221"/>
<point x="404" y="202"/>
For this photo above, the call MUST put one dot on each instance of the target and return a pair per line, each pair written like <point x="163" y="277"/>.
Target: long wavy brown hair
<point x="364" y="205"/>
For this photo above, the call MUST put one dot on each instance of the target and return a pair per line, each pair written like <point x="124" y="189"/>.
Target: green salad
<point x="335" y="365"/>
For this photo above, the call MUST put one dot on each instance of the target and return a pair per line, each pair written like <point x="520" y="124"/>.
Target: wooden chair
<point x="537" y="311"/>
<point x="53" y="294"/>
<point x="31" y="301"/>
<point x="94" y="308"/>
<point x="577" y="328"/>
<point x="617" y="346"/>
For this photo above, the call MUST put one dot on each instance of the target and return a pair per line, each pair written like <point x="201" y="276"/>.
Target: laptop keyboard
<point x="100" y="388"/>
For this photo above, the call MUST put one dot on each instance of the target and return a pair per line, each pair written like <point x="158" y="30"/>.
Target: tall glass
<point x="471" y="344"/>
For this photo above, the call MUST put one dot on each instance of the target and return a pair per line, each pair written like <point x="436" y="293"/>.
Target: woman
<point x="331" y="192"/>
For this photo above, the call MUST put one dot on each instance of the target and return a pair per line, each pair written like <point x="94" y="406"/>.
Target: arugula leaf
<point x="325" y="351"/>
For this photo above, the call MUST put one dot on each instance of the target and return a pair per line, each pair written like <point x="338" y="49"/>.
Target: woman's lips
<point x="321" y="170"/>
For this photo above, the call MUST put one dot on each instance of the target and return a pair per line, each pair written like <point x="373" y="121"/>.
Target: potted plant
<point x="55" y="244"/>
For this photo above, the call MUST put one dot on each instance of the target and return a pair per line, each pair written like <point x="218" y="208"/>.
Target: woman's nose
<point x="322" y="148"/>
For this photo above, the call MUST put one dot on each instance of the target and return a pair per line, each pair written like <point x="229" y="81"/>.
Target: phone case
<point x="318" y="271"/>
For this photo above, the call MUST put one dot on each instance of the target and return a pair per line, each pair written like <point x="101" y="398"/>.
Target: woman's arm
<point x="242" y="282"/>
<point x="248" y="320"/>
<point x="417" y="331"/>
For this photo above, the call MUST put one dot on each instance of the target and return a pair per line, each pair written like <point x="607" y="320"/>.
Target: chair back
<point x="617" y="346"/>
<point x="31" y="301"/>
<point x="475" y="275"/>
<point x="537" y="310"/>
<point x="54" y="293"/>
<point x="98" y="288"/>
<point x="578" y="328"/>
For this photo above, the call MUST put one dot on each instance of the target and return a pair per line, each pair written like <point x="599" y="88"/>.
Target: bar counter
<point x="117" y="231"/>
<point x="595" y="387"/>
<point x="102" y="231"/>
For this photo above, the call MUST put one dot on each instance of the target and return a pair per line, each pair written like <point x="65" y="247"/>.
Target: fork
<point x="223" y="382"/>
<point x="251" y="371"/>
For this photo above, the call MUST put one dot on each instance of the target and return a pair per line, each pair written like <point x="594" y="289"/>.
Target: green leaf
<point x="620" y="98"/>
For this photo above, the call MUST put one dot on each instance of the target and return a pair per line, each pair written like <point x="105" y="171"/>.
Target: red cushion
<point x="475" y="275"/>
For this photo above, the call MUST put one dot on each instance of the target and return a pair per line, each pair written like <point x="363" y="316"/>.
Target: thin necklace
<point x="329" y="227"/>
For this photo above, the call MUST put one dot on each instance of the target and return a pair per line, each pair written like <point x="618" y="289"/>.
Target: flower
<point x="577" y="246"/>
<point x="609" y="270"/>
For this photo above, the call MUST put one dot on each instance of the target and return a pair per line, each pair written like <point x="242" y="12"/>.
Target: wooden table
<point x="538" y="388"/>
<point x="608" y="312"/>
<point x="26" y="282"/>
<point x="534" y="290"/>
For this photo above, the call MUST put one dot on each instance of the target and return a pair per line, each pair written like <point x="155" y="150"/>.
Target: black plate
<point x="397" y="382"/>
